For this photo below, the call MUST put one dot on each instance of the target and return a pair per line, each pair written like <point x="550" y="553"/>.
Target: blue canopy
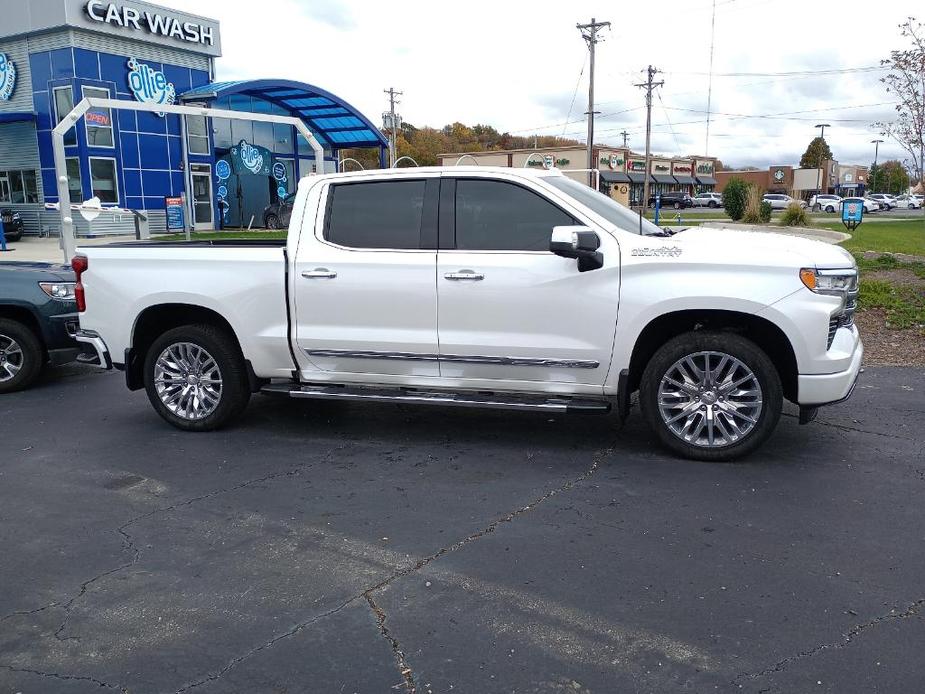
<point x="331" y="119"/>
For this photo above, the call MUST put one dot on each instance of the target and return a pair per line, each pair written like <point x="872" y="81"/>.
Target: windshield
<point x="600" y="204"/>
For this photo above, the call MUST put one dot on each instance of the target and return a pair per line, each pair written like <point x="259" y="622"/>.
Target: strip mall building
<point x="53" y="53"/>
<point x="622" y="171"/>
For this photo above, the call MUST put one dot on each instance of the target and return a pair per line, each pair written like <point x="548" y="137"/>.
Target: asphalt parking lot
<point x="321" y="547"/>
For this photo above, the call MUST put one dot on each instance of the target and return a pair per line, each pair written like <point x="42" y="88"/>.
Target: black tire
<point x="830" y="209"/>
<point x="14" y="237"/>
<point x="27" y="357"/>
<point x="235" y="389"/>
<point x="677" y="205"/>
<point x="728" y="343"/>
<point x="271" y="221"/>
<point x="712" y="203"/>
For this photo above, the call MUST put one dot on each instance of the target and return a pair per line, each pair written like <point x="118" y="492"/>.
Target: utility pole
<point x="822" y="127"/>
<point x="625" y="135"/>
<point x="648" y="85"/>
<point x="875" y="172"/>
<point x="389" y="119"/>
<point x="706" y="148"/>
<point x="589" y="34"/>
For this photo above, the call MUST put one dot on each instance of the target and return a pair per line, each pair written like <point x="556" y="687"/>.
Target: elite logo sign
<point x="149" y="85"/>
<point x="251" y="157"/>
<point x="7" y="77"/>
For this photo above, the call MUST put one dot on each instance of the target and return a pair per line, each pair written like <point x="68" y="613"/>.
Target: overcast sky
<point x="515" y="65"/>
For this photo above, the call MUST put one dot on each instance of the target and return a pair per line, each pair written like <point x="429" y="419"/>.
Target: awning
<point x="662" y="178"/>
<point x="16" y="117"/>
<point x="685" y="180"/>
<point x="636" y="177"/>
<point x="615" y="177"/>
<point x="706" y="180"/>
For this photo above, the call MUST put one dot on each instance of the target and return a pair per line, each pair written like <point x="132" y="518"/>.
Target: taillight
<point x="80" y="263"/>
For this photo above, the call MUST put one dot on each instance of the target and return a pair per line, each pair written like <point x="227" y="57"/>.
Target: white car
<point x="780" y="202"/>
<point x="714" y="329"/>
<point x="708" y="200"/>
<point x="909" y="202"/>
<point x="887" y="202"/>
<point x="873" y="205"/>
<point x="825" y="202"/>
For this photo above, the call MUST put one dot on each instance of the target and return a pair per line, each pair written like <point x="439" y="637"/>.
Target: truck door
<point x="364" y="282"/>
<point x="509" y="309"/>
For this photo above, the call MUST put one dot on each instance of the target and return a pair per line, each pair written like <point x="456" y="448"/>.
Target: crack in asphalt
<point x="58" y="676"/>
<point x="406" y="671"/>
<point x="403" y="667"/>
<point x="22" y="613"/>
<point x="128" y="542"/>
<point x="847" y="638"/>
<point x="845" y="427"/>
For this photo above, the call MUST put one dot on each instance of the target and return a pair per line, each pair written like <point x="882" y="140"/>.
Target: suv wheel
<point x="21" y="356"/>
<point x="196" y="378"/>
<point x="711" y="396"/>
<point x="712" y="203"/>
<point x="677" y="205"/>
<point x="271" y="221"/>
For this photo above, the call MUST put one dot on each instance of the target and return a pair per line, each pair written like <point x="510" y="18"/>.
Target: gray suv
<point x="277" y="214"/>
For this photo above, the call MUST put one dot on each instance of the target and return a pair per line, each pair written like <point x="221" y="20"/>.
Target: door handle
<point x="464" y="275"/>
<point x="319" y="273"/>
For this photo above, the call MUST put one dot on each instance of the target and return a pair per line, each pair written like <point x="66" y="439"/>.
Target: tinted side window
<point x="500" y="216"/>
<point x="383" y="214"/>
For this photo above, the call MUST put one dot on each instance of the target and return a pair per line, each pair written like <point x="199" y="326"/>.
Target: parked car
<point x="909" y="202"/>
<point x="887" y="202"/>
<point x="531" y="267"/>
<point x="877" y="205"/>
<point x="675" y="199"/>
<point x="869" y="205"/>
<point x="12" y="224"/>
<point x="779" y="201"/>
<point x="277" y="214"/>
<point x="38" y="321"/>
<point x="825" y="202"/>
<point x="707" y="200"/>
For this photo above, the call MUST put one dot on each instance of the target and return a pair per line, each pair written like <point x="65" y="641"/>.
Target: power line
<point x="668" y="120"/>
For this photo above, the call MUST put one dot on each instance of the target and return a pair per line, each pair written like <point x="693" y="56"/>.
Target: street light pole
<point x="822" y="126"/>
<point x="876" y="144"/>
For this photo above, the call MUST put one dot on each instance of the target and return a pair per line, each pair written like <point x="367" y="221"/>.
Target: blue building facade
<point x="53" y="53"/>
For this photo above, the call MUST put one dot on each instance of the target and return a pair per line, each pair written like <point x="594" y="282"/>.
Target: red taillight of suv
<point x="80" y="263"/>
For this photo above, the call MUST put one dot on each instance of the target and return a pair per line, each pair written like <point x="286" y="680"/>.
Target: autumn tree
<point x="906" y="82"/>
<point x="889" y="177"/>
<point x="816" y="154"/>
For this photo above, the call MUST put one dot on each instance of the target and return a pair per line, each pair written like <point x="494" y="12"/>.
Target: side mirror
<point x="578" y="242"/>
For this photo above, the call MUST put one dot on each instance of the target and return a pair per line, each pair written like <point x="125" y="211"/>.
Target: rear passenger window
<point x="382" y="214"/>
<point x="500" y="216"/>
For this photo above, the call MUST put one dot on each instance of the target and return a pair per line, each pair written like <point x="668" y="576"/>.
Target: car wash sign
<point x="148" y="85"/>
<point x="251" y="159"/>
<point x="151" y="23"/>
<point x="7" y="77"/>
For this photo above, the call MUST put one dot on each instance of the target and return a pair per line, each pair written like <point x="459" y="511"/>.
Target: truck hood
<point x="751" y="247"/>
<point x="41" y="272"/>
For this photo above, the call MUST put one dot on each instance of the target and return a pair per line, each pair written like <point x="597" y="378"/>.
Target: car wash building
<point x="223" y="173"/>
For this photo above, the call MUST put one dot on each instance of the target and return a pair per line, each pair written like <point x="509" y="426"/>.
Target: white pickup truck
<point x="488" y="287"/>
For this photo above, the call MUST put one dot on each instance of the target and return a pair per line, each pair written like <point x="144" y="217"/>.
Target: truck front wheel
<point x="196" y="378"/>
<point x="711" y="396"/>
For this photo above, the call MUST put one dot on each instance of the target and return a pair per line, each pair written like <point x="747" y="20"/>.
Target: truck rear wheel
<point x="196" y="378"/>
<point x="21" y="356"/>
<point x="711" y="396"/>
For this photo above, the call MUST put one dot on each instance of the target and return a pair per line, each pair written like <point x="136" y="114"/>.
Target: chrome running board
<point x="503" y="401"/>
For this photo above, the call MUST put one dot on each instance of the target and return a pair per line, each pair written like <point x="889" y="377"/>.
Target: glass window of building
<point x="98" y="121"/>
<point x="198" y="134"/>
<point x="17" y="192"/>
<point x="103" y="179"/>
<point x="4" y="187"/>
<point x="73" y="179"/>
<point x="64" y="104"/>
<point x="30" y="187"/>
<point x="282" y="138"/>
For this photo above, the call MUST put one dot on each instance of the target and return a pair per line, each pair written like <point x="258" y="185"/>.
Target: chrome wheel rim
<point x="11" y="358"/>
<point x="188" y="381"/>
<point x="710" y="399"/>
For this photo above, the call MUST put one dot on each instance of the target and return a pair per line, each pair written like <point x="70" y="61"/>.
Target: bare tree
<point x="906" y="81"/>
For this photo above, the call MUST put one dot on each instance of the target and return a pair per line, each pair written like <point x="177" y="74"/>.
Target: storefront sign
<point x="660" y="167"/>
<point x="251" y="158"/>
<point x="681" y="168"/>
<point x="778" y="175"/>
<point x="636" y="165"/>
<point x="150" y="86"/>
<point x="614" y="161"/>
<point x="222" y="169"/>
<point x="548" y="162"/>
<point x="98" y="118"/>
<point x="282" y="179"/>
<point x="705" y="168"/>
<point x="7" y="77"/>
<point x="174" y="214"/>
<point x="129" y="17"/>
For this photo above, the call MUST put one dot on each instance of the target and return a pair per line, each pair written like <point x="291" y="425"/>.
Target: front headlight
<point x="60" y="291"/>
<point x="832" y="282"/>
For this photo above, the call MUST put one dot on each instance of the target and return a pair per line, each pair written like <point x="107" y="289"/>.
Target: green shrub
<point x="794" y="216"/>
<point x="735" y="198"/>
<point x="765" y="212"/>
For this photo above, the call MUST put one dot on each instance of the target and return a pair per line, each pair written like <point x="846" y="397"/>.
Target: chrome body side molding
<point x="474" y="359"/>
